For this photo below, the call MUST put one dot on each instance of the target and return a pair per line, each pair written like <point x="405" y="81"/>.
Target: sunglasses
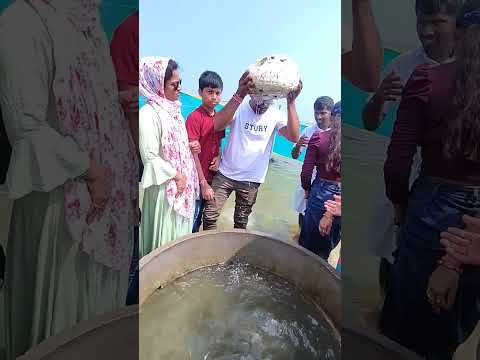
<point x="176" y="84"/>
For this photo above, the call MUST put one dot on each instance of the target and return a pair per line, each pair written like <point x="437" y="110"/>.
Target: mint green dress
<point x="160" y="224"/>
<point x="51" y="284"/>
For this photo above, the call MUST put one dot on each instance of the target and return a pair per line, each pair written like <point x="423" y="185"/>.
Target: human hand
<point x="207" y="192"/>
<point x="334" y="207"/>
<point x="99" y="189"/>
<point x="464" y="244"/>
<point x="245" y="85"/>
<point x="294" y="94"/>
<point x="195" y="147"/>
<point x="303" y="141"/>
<point x="390" y="88"/>
<point x="215" y="164"/>
<point x="325" y="224"/>
<point x="181" y="182"/>
<point x="442" y="288"/>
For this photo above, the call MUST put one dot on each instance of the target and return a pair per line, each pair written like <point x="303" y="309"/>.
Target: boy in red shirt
<point x="200" y="128"/>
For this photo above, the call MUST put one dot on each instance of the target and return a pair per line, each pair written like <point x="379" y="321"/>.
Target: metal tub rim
<point x="285" y="259"/>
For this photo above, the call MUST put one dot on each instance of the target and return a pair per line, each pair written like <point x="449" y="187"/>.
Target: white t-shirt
<point x="383" y="232"/>
<point x="250" y="143"/>
<point x="299" y="201"/>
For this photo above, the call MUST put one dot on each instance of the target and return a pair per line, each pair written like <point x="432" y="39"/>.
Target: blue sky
<point x="227" y="36"/>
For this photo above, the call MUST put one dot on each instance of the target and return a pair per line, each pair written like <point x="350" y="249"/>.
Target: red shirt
<point x="124" y="50"/>
<point x="422" y="120"/>
<point x="317" y="156"/>
<point x="200" y="127"/>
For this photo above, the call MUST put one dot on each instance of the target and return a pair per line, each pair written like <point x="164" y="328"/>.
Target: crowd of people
<point x="80" y="146"/>
<point x="187" y="178"/>
<point x="75" y="229"/>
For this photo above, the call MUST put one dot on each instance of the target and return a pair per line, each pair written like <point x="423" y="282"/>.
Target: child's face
<point x="436" y="32"/>
<point x="323" y="118"/>
<point x="210" y="96"/>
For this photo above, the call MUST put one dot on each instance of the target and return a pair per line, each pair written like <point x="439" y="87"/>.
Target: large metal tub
<point x="371" y="346"/>
<point x="310" y="274"/>
<point x="110" y="336"/>
<point x="116" y="335"/>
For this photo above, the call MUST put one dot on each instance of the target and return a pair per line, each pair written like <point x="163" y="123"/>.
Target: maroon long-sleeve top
<point x="422" y="120"/>
<point x="317" y="156"/>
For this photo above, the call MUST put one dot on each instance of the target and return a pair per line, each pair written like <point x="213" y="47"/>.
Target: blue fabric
<point x="407" y="316"/>
<point x="197" y="218"/>
<point x="337" y="109"/>
<point x="310" y="237"/>
<point x="132" y="295"/>
<point x="281" y="145"/>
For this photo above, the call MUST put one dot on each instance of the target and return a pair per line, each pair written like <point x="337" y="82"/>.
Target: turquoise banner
<point x="281" y="146"/>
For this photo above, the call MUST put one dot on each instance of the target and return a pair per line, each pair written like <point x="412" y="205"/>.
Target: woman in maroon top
<point x="324" y="153"/>
<point x="432" y="305"/>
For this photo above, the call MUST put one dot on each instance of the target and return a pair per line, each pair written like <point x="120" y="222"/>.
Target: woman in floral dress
<point x="169" y="180"/>
<point x="72" y="174"/>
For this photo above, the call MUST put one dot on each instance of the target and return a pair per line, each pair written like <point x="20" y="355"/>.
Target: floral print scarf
<point x="85" y="92"/>
<point x="174" y="142"/>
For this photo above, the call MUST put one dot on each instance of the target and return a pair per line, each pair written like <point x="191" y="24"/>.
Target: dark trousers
<point x="132" y="294"/>
<point x="310" y="237"/>
<point x="384" y="275"/>
<point x="300" y="220"/>
<point x="245" y="198"/>
<point x="407" y="316"/>
<point x="197" y="218"/>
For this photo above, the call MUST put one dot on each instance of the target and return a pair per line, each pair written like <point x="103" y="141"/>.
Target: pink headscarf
<point x="88" y="110"/>
<point x="174" y="142"/>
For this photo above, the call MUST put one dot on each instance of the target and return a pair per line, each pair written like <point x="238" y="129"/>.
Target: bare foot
<point x="296" y="237"/>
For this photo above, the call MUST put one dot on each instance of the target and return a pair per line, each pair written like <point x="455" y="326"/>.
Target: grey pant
<point x="245" y="198"/>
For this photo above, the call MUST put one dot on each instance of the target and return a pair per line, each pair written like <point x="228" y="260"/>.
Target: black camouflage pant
<point x="245" y="197"/>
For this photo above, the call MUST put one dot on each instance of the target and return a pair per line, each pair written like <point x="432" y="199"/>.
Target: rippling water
<point x="233" y="312"/>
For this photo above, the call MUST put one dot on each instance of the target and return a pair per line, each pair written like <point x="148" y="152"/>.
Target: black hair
<point x="210" y="79"/>
<point x="171" y="67"/>
<point x="464" y="128"/>
<point x="469" y="15"/>
<point x="430" y="7"/>
<point x="324" y="102"/>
